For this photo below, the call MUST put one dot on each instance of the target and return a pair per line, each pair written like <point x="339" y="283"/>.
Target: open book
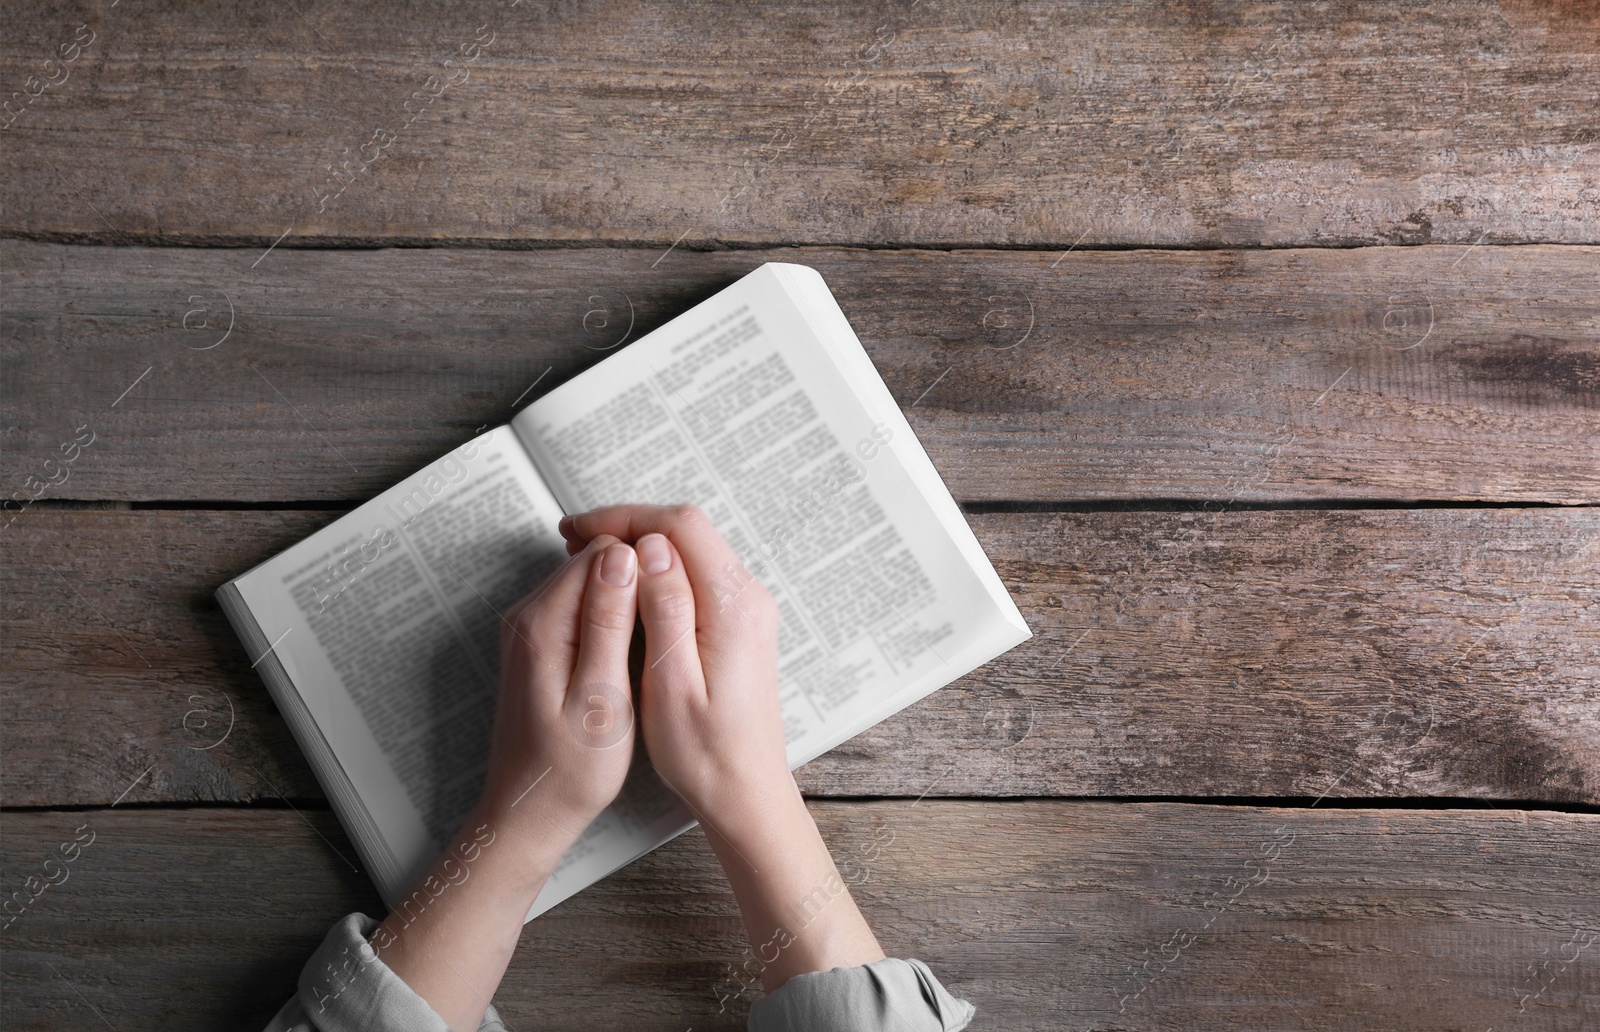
<point x="378" y="636"/>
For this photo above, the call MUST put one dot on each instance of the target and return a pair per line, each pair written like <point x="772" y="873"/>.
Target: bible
<point x="378" y="636"/>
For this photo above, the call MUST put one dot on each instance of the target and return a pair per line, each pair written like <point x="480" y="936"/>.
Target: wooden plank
<point x="1044" y="913"/>
<point x="1372" y="373"/>
<point x="906" y="123"/>
<point x="1441" y="653"/>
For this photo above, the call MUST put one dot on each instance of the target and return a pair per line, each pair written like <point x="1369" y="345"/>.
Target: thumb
<point x="667" y="610"/>
<point x="599" y="704"/>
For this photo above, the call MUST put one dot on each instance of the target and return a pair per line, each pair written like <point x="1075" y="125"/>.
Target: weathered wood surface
<point x="926" y="123"/>
<point x="1383" y="653"/>
<point x="1373" y="373"/>
<point x="603" y="158"/>
<point x="1043" y="913"/>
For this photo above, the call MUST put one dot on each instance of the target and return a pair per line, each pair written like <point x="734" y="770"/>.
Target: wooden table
<point x="1260" y="344"/>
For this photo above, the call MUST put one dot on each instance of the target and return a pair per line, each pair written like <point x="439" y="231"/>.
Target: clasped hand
<point x="564" y="734"/>
<point x="708" y="709"/>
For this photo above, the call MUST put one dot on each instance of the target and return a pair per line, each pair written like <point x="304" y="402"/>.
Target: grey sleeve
<point x="346" y="988"/>
<point x="891" y="995"/>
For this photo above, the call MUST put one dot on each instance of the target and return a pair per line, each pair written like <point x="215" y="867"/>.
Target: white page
<point x="388" y="624"/>
<point x="833" y="331"/>
<point x="738" y="407"/>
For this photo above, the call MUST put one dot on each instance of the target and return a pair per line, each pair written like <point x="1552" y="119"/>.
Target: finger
<point x="599" y="703"/>
<point x="632" y="520"/>
<point x="715" y="570"/>
<point x="544" y="586"/>
<point x="570" y="536"/>
<point x="667" y="610"/>
<point x="547" y="620"/>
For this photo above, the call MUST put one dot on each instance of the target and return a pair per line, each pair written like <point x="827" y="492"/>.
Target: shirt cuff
<point x="886" y="994"/>
<point x="346" y="988"/>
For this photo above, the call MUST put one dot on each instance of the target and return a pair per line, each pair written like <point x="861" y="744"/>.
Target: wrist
<point x="738" y="796"/>
<point x="486" y="854"/>
<point x="773" y="820"/>
<point x="540" y="824"/>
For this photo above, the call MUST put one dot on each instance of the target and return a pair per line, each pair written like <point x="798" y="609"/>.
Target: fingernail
<point x="616" y="566"/>
<point x="654" y="554"/>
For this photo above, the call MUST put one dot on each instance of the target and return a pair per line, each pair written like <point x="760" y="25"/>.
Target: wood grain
<point x="1375" y="373"/>
<point x="928" y="124"/>
<point x="984" y="186"/>
<point x="1042" y="913"/>
<point x="1440" y="653"/>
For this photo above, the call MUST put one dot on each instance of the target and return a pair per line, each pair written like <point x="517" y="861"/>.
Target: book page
<point x="740" y="408"/>
<point x="388" y="624"/>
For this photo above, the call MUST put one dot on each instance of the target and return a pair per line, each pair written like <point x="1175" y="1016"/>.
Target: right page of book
<point x="761" y="407"/>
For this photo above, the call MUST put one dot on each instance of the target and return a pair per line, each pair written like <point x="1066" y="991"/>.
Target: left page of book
<point x="388" y="624"/>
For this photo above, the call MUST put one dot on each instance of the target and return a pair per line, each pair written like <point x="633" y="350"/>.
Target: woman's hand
<point x="563" y="726"/>
<point x="563" y="736"/>
<point x="709" y="693"/>
<point x="713" y="724"/>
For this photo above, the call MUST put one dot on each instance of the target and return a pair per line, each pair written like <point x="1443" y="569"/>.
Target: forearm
<point x="798" y="912"/>
<point x="452" y="938"/>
